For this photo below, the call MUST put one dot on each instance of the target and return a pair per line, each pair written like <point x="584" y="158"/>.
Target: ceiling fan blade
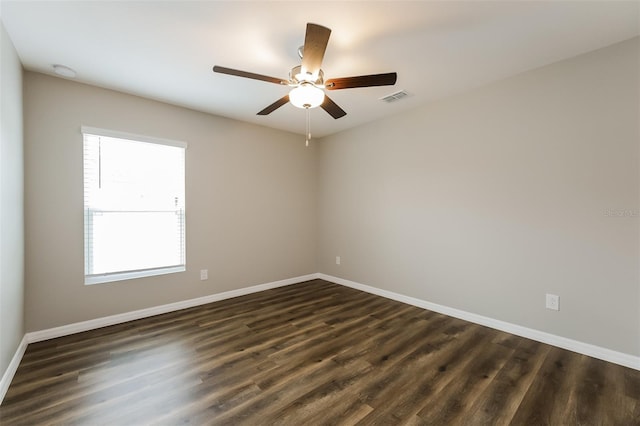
<point x="238" y="73"/>
<point x="388" y="79"/>
<point x="315" y="44"/>
<point x="332" y="108"/>
<point x="274" y="106"/>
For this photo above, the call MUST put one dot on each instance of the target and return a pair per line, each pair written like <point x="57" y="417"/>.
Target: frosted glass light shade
<point x="306" y="95"/>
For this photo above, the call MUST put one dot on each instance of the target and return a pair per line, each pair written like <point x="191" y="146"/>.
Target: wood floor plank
<point x="549" y="398"/>
<point x="451" y="404"/>
<point x="398" y="397"/>
<point x="313" y="353"/>
<point x="502" y="396"/>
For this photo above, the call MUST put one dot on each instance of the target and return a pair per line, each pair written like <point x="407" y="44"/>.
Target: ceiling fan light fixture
<point x="306" y="95"/>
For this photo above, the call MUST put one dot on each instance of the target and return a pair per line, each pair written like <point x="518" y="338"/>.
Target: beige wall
<point x="11" y="203"/>
<point x="250" y="191"/>
<point x="486" y="201"/>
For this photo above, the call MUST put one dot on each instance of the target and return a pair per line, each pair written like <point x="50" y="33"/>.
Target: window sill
<point x="129" y="275"/>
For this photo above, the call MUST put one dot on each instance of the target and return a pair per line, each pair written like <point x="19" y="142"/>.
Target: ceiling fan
<point x="307" y="79"/>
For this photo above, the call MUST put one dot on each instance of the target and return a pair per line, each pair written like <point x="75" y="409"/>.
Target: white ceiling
<point x="165" y="50"/>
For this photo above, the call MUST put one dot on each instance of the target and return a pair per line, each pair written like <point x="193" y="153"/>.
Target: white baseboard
<point x="594" y="351"/>
<point x="12" y="368"/>
<point x="65" y="330"/>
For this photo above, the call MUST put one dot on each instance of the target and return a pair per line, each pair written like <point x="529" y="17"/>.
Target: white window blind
<point x="134" y="212"/>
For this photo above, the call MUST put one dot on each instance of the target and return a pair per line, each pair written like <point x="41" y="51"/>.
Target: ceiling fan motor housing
<point x="296" y="76"/>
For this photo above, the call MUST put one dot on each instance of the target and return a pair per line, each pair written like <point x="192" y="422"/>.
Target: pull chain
<point x="308" y="135"/>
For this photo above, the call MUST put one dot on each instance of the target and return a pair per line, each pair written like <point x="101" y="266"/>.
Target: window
<point x="134" y="218"/>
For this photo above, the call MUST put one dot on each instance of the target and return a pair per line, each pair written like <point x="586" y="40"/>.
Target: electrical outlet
<point x="337" y="260"/>
<point x="553" y="302"/>
<point x="204" y="274"/>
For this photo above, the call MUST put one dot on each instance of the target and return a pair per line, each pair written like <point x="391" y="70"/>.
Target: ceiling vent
<point x="394" y="96"/>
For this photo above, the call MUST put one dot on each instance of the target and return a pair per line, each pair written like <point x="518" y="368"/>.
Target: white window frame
<point x="127" y="275"/>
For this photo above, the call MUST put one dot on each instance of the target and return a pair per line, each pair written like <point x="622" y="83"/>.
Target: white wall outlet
<point x="204" y="274"/>
<point x="337" y="260"/>
<point x="553" y="302"/>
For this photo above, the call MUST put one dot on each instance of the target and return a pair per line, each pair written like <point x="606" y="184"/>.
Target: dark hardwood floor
<point x="309" y="354"/>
